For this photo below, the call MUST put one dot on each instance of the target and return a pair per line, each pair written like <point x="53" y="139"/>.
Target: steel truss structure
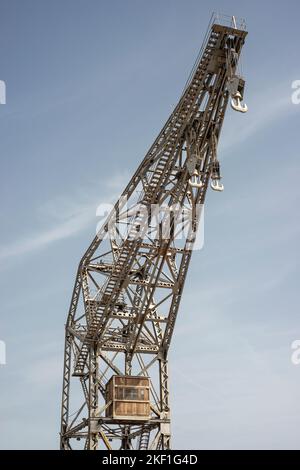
<point x="131" y="278"/>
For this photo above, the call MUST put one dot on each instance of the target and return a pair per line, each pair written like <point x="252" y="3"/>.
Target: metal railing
<point x="216" y="18"/>
<point x="227" y="20"/>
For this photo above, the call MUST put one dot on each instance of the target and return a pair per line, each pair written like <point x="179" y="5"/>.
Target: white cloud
<point x="65" y="229"/>
<point x="265" y="107"/>
<point x="69" y="219"/>
<point x="65" y="218"/>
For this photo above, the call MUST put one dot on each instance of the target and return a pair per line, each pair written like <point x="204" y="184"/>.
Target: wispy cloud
<point x="65" y="219"/>
<point x="66" y="229"/>
<point x="271" y="103"/>
<point x="70" y="219"/>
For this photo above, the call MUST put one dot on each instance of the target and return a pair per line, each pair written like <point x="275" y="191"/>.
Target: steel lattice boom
<point x="130" y="280"/>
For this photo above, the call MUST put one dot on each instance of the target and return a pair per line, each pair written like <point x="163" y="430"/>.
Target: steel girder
<point x="130" y="280"/>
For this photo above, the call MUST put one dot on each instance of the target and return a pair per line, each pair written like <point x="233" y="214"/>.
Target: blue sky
<point x="89" y="85"/>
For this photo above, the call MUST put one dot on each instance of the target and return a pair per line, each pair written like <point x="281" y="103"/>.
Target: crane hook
<point x="236" y="103"/>
<point x="216" y="185"/>
<point x="195" y="180"/>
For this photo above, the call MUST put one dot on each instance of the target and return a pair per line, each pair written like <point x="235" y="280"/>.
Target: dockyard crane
<point x="130" y="280"/>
